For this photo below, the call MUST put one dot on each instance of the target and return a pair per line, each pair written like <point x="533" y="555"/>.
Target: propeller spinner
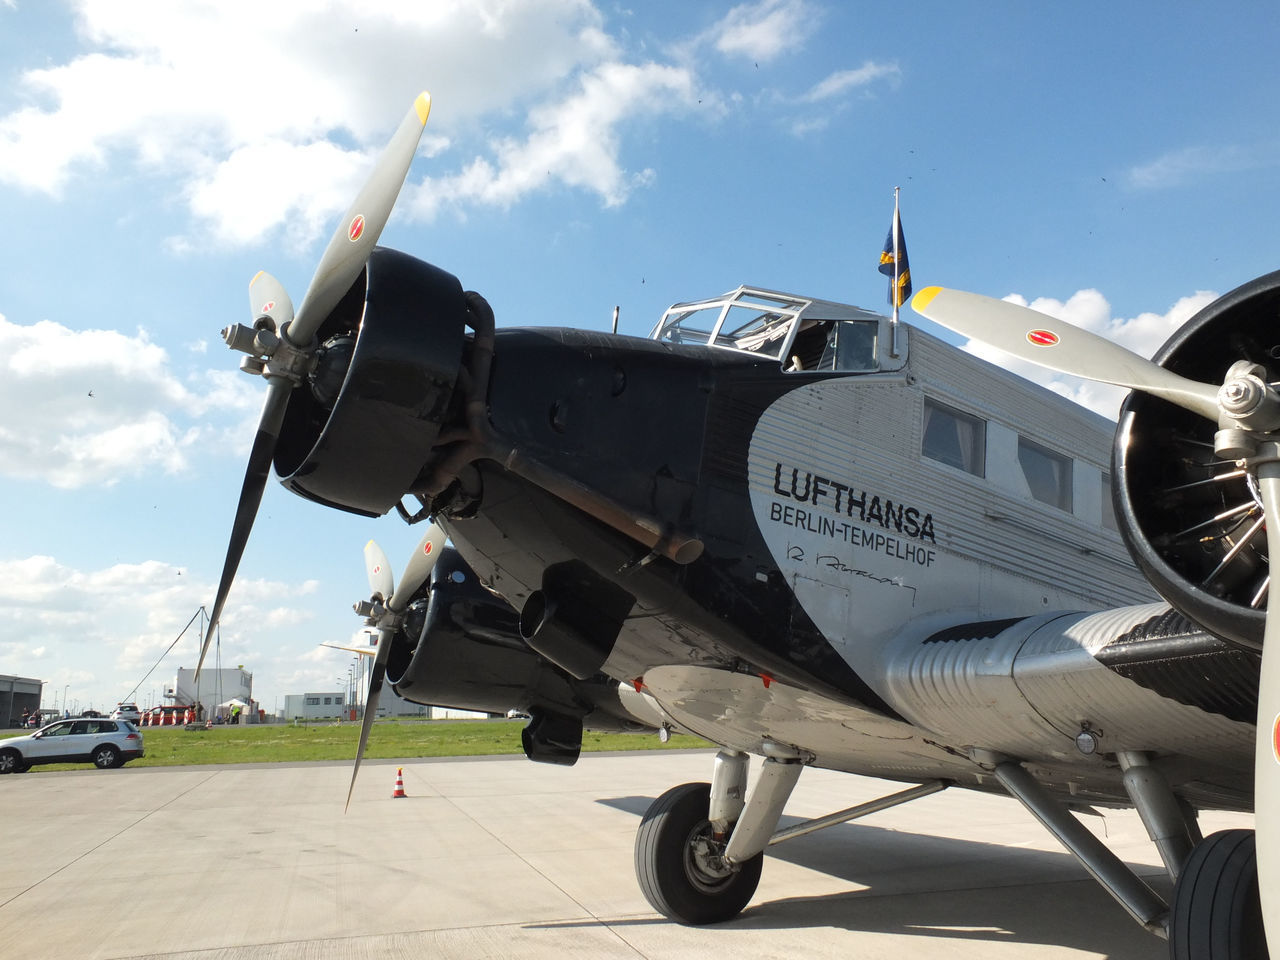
<point x="281" y="344"/>
<point x="1246" y="409"/>
<point x="385" y="614"/>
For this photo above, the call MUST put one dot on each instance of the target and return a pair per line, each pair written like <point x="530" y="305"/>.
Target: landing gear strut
<point x="680" y="861"/>
<point x="1216" y="912"/>
<point x="700" y="846"/>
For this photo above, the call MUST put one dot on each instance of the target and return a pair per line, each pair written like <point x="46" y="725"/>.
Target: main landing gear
<point x="700" y="849"/>
<point x="700" y="846"/>
<point x="1216" y="912"/>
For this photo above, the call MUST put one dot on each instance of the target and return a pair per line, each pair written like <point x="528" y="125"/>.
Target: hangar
<point x="18" y="694"/>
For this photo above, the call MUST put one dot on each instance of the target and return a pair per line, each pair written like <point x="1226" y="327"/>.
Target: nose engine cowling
<point x="390" y="351"/>
<point x="1191" y="520"/>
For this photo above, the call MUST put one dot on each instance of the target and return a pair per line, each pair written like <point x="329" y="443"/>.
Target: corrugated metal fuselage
<point x="840" y="565"/>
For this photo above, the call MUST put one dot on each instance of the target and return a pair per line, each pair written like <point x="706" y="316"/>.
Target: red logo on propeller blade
<point x="356" y="229"/>
<point x="1275" y="739"/>
<point x="268" y="306"/>
<point x="1042" y="338"/>
<point x="427" y="548"/>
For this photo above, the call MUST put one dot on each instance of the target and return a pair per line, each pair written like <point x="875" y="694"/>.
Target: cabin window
<point x="957" y="439"/>
<point x="1108" y="505"/>
<point x="1048" y="474"/>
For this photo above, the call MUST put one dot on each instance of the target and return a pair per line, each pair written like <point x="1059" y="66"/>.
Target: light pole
<point x="64" y="699"/>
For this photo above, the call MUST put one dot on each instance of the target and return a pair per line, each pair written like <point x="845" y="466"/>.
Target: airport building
<point x="329" y="705"/>
<point x="18" y="694"/>
<point x="216" y="687"/>
<point x="334" y="704"/>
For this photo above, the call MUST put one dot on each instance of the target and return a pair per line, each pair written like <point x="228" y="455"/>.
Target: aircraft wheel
<point x="679" y="865"/>
<point x="1216" y="911"/>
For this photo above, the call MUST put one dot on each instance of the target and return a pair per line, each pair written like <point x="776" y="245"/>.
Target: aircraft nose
<point x="358" y="433"/>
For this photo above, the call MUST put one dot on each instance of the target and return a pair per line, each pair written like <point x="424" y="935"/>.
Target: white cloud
<point x="1089" y="309"/>
<point x="99" y="405"/>
<point x="843" y="81"/>
<point x="574" y="141"/>
<point x="101" y="630"/>
<point x="269" y="115"/>
<point x="1191" y="163"/>
<point x="765" y="29"/>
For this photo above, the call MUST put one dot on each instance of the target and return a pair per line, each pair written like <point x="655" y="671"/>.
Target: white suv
<point x="104" y="743"/>
<point x="127" y="711"/>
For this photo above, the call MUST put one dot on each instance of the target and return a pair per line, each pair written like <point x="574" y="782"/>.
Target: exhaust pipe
<point x="579" y="651"/>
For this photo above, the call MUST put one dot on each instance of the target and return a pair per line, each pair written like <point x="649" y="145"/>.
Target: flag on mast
<point x="893" y="260"/>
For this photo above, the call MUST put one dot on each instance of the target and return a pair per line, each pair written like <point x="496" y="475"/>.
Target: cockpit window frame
<point x="770" y="332"/>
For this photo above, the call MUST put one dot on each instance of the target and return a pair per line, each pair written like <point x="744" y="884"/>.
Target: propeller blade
<point x="1033" y="336"/>
<point x="415" y="575"/>
<point x="420" y="566"/>
<point x="376" y="675"/>
<point x="1266" y="763"/>
<point x="267" y="298"/>
<point x="358" y="232"/>
<point x="378" y="569"/>
<point x="255" y="481"/>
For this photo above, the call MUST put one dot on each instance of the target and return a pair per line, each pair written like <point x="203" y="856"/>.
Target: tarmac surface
<point x="500" y="857"/>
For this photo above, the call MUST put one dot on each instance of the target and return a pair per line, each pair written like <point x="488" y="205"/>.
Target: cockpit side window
<point x="851" y="345"/>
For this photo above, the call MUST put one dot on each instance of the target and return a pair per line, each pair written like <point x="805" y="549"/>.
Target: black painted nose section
<point x="363" y="453"/>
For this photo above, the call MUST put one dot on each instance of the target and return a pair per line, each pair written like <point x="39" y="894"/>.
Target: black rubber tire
<point x="11" y="761"/>
<point x="1216" y="913"/>
<point x="105" y="757"/>
<point x="670" y="879"/>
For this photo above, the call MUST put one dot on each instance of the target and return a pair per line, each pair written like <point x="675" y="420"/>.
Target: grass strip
<point x="389" y="739"/>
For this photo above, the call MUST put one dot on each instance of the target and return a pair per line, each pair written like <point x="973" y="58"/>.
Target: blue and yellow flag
<point x="896" y="251"/>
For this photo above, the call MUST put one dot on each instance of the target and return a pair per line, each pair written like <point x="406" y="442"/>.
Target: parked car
<point x="90" y="713"/>
<point x="104" y="743"/>
<point x="127" y="711"/>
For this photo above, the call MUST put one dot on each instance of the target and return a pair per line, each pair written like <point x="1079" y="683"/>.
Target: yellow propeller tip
<point x="920" y="302"/>
<point x="255" y="277"/>
<point x="423" y="106"/>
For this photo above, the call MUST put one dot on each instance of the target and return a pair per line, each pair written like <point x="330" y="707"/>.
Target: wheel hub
<point x="704" y="859"/>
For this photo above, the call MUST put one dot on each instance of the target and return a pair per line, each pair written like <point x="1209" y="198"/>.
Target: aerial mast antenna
<point x="897" y="266"/>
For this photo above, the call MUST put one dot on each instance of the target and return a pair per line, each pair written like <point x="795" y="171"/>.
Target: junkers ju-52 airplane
<point x="813" y="537"/>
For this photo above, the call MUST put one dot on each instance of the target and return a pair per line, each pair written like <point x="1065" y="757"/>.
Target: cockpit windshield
<point x="800" y="333"/>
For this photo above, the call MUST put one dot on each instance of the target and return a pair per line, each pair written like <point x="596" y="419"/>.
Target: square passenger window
<point x="1108" y="504"/>
<point x="1048" y="474"/>
<point x="957" y="439"/>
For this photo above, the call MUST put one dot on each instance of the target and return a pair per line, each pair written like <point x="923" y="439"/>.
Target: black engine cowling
<point x="461" y="647"/>
<point x="1191" y="520"/>
<point x="390" y="352"/>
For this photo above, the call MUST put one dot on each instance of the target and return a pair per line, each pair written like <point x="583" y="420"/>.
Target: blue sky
<point x="1116" y="164"/>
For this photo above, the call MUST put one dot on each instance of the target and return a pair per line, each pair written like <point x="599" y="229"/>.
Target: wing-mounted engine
<point x="460" y="646"/>
<point x="358" y="431"/>
<point x="1192" y="520"/>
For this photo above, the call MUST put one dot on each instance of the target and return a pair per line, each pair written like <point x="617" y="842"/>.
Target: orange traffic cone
<point x="399" y="791"/>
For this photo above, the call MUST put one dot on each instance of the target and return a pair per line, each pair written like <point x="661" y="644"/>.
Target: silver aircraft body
<point x="816" y="537"/>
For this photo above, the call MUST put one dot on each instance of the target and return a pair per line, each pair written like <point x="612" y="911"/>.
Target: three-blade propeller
<point x="384" y="611"/>
<point x="281" y="345"/>
<point x="1245" y="408"/>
